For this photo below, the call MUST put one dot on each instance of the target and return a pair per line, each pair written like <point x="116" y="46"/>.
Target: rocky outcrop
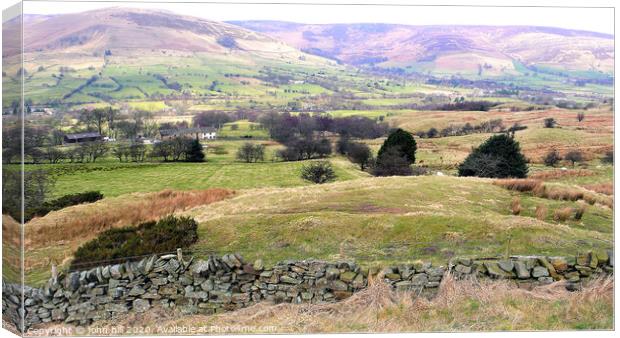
<point x="228" y="283"/>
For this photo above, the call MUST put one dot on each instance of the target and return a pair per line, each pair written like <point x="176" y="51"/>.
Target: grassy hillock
<point x="379" y="220"/>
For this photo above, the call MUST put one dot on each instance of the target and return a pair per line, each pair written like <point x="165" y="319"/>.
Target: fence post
<point x="54" y="272"/>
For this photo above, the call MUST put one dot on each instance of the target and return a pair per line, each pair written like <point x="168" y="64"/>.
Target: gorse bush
<point x="165" y="235"/>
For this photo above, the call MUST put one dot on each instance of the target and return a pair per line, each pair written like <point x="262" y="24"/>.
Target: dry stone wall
<point x="228" y="283"/>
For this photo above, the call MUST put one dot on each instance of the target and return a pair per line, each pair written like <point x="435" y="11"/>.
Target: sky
<point x="589" y="19"/>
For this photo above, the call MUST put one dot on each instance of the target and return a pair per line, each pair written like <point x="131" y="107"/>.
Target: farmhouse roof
<point x="82" y="135"/>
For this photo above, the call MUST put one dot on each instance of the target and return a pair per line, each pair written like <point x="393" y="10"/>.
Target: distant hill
<point x="128" y="29"/>
<point x="490" y="50"/>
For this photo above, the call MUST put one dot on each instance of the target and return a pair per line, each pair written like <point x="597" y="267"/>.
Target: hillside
<point x="370" y="220"/>
<point x="127" y="54"/>
<point x="482" y="50"/>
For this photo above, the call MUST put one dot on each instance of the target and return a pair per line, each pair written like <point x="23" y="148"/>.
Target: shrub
<point x="561" y="215"/>
<point x="580" y="211"/>
<point x="165" y="235"/>
<point x="550" y="122"/>
<point x="581" y="116"/>
<point x="609" y="157"/>
<point x="541" y="212"/>
<point x="552" y="158"/>
<point x="498" y="157"/>
<point x="574" y="156"/>
<point x="318" y="172"/>
<point x="515" y="206"/>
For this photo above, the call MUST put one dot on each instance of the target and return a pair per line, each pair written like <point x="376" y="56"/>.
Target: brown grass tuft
<point x="555" y="174"/>
<point x="601" y="188"/>
<point x="519" y="184"/>
<point x="554" y="192"/>
<point x="579" y="211"/>
<point x="562" y="214"/>
<point x="541" y="212"/>
<point x="515" y="206"/>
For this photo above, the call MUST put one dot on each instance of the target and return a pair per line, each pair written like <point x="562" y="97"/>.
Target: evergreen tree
<point x="498" y="157"/>
<point x="402" y="142"/>
<point x="194" y="152"/>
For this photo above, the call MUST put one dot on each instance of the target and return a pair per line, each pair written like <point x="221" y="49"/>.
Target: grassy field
<point x="378" y="220"/>
<point x="371" y="220"/>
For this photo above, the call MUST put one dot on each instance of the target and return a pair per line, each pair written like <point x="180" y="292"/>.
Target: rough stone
<point x="522" y="271"/>
<point x="141" y="305"/>
<point x="463" y="269"/>
<point x="540" y="271"/>
<point x="347" y="276"/>
<point x="495" y="271"/>
<point x="506" y="265"/>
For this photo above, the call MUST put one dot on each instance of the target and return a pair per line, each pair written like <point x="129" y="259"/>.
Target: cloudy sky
<point x="591" y="19"/>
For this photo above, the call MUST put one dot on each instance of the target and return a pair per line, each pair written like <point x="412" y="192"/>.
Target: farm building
<point x="82" y="137"/>
<point x="197" y="133"/>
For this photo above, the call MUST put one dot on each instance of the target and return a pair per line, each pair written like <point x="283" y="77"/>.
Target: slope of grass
<point x="379" y="220"/>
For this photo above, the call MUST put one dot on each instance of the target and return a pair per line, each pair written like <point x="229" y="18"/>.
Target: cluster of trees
<point x="553" y="157"/>
<point x="305" y="148"/>
<point x="84" y="152"/>
<point x="213" y="119"/>
<point x="491" y="126"/>
<point x="284" y="127"/>
<point x="179" y="149"/>
<point x="249" y="152"/>
<point x="463" y="105"/>
<point x="132" y="152"/>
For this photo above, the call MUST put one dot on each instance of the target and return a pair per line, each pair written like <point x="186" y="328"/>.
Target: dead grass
<point x="465" y="305"/>
<point x="555" y="174"/>
<point x="515" y="206"/>
<point x="554" y="192"/>
<point x="562" y="214"/>
<point x="541" y="212"/>
<point x="517" y="184"/>
<point x="84" y="222"/>
<point x="601" y="188"/>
